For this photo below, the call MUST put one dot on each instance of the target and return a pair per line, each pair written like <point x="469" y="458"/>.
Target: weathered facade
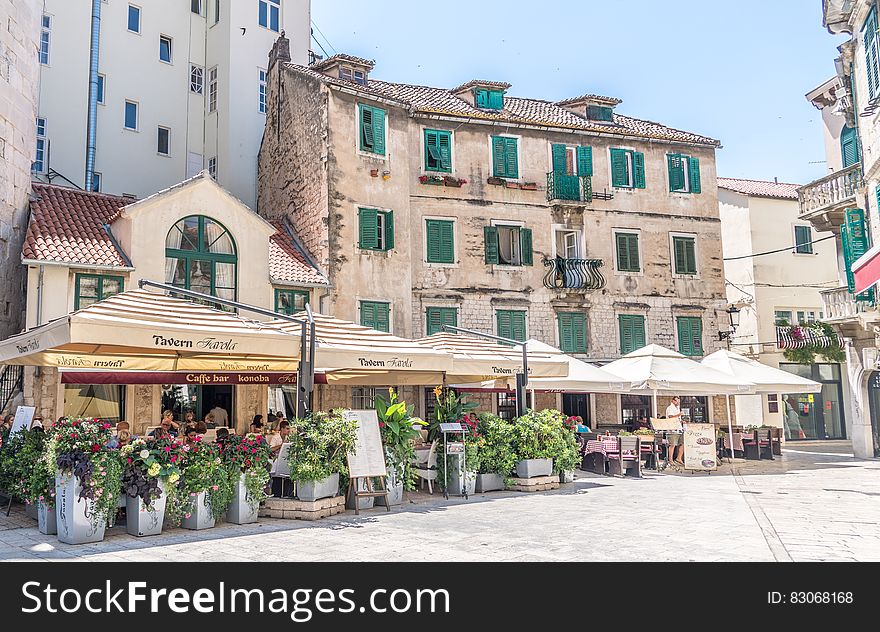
<point x="565" y="222"/>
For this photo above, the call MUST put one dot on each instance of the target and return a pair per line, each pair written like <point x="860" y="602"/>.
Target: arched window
<point x="200" y="256"/>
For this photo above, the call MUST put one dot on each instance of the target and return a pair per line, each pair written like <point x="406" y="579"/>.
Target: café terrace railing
<point x="574" y="274"/>
<point x="834" y="190"/>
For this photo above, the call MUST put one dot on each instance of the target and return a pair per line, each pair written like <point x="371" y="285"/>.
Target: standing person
<point x="792" y="420"/>
<point x="675" y="450"/>
<point x="221" y="417"/>
<point x="8" y="421"/>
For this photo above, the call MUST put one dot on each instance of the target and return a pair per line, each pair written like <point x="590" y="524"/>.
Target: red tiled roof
<point x="516" y="110"/>
<point x="287" y="262"/>
<point x="598" y="98"/>
<point x="67" y="226"/>
<point x="482" y="83"/>
<point x="760" y="188"/>
<point x="341" y="57"/>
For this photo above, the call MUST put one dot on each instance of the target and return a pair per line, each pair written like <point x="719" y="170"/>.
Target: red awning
<point x="866" y="269"/>
<point x="192" y="377"/>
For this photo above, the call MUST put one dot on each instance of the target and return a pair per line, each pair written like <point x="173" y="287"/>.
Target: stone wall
<point x="41" y="389"/>
<point x="19" y="81"/>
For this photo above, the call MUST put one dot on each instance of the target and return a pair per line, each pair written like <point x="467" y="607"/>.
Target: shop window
<point x="99" y="401"/>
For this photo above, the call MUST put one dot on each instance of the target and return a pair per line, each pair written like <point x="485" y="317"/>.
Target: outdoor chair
<point x="627" y="459"/>
<point x="759" y="445"/>
<point x="280" y="474"/>
<point x="649" y="451"/>
<point x="428" y="473"/>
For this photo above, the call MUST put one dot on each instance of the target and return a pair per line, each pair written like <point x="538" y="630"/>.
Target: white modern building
<point x="780" y="292"/>
<point x="137" y="96"/>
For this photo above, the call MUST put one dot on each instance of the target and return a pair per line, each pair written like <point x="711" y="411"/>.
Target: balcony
<point x="574" y="274"/>
<point x="841" y="305"/>
<point x="565" y="188"/>
<point x="823" y="201"/>
<point x="802" y="337"/>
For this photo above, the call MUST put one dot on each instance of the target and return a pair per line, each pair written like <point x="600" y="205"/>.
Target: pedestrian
<point x="221" y="417"/>
<point x="675" y="450"/>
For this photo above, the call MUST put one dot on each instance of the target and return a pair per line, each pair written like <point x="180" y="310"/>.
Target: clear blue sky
<point x="735" y="71"/>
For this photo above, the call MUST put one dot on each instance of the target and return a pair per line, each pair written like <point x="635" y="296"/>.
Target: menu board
<point x="369" y="456"/>
<point x="24" y="415"/>
<point x="699" y="447"/>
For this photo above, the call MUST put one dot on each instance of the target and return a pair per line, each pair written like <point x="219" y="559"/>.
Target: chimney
<point x="775" y="180"/>
<point x="280" y="51"/>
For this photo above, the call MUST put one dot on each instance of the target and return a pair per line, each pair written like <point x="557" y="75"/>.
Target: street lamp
<point x="733" y="315"/>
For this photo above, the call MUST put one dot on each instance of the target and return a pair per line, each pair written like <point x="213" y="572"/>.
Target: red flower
<point x="95" y="447"/>
<point x="129" y="459"/>
<point x="381" y="424"/>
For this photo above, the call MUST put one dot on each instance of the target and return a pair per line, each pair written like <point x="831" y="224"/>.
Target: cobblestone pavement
<point x="816" y="502"/>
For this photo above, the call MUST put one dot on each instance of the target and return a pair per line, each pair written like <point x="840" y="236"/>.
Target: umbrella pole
<point x="729" y="429"/>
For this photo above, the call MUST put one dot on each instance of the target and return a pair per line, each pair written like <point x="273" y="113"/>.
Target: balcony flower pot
<point x="311" y="491"/>
<point x="366" y="502"/>
<point x="142" y="519"/>
<point x="489" y="482"/>
<point x="511" y="185"/>
<point x="46" y="519"/>
<point x="530" y="468"/>
<point x="241" y="510"/>
<point x="199" y="515"/>
<point x="453" y="182"/>
<point x="494" y="180"/>
<point x="74" y="515"/>
<point x="529" y="186"/>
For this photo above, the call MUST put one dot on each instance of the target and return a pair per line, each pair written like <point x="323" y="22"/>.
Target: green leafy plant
<point x="203" y="471"/>
<point x="320" y="446"/>
<point x="396" y="424"/>
<point x="249" y="455"/>
<point x="809" y="348"/>
<point x="40" y="477"/>
<point x="145" y="464"/>
<point x="544" y="435"/>
<point x="497" y="455"/>
<point x="449" y="408"/>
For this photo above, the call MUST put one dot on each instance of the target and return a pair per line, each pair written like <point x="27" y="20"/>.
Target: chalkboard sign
<point x="24" y="415"/>
<point x="369" y="456"/>
<point x="699" y="447"/>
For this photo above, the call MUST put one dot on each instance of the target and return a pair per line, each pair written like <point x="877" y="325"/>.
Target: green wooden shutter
<point x="559" y="159"/>
<point x="854" y="238"/>
<point x="685" y="255"/>
<point x="389" y="230"/>
<point x="518" y="325"/>
<point x="627" y="252"/>
<point x="678" y="247"/>
<point x="366" y="128"/>
<point x="368" y="314"/>
<point x="694" y="174"/>
<point x="432" y="151"/>
<point x="623" y="263"/>
<point x="481" y="98"/>
<point x="585" y="161"/>
<point x="690" y="255"/>
<point x="684" y="336"/>
<point x="444" y="142"/>
<point x="803" y="240"/>
<point x="502" y="323"/>
<point x="382" y="314"/>
<point x="632" y="244"/>
<point x="871" y="61"/>
<point x="676" y="172"/>
<point x="510" y="158"/>
<point x="525" y="244"/>
<point x="438" y="317"/>
<point x="447" y="242"/>
<point x="432" y="229"/>
<point x="572" y="332"/>
<point x="638" y="170"/>
<point x="440" y="241"/>
<point x="566" y="335"/>
<point x="697" y="336"/>
<point x="849" y="146"/>
<point x="618" y="168"/>
<point x="632" y="332"/>
<point x="368" y="228"/>
<point x="490" y="237"/>
<point x="379" y="131"/>
<point x="499" y="164"/>
<point x="375" y="315"/>
<point x="496" y="99"/>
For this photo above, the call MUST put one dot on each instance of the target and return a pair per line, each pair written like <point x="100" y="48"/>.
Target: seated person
<point x="276" y="440"/>
<point x="120" y="427"/>
<point x="222" y="435"/>
<point x="123" y="438"/>
<point x="641" y="423"/>
<point x="169" y="415"/>
<point x="160" y="434"/>
<point x="201" y="427"/>
<point x="167" y="427"/>
<point x="257" y="425"/>
<point x="210" y="421"/>
<point x="190" y="435"/>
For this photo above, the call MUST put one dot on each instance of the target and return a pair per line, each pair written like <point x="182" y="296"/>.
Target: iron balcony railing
<point x="795" y="337"/>
<point x="834" y="190"/>
<point x="10" y="383"/>
<point x="574" y="274"/>
<point x="561" y="186"/>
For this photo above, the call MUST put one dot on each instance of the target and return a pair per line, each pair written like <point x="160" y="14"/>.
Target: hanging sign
<point x="700" y="447"/>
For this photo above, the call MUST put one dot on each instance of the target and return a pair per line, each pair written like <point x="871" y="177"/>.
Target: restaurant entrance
<point x="577" y="404"/>
<point x="181" y="398"/>
<point x="815" y="415"/>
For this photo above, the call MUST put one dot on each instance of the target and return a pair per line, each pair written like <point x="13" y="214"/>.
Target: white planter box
<point x="74" y="515"/>
<point x="240" y="511"/>
<point x="143" y="521"/>
<point x="489" y="482"/>
<point x="316" y="490"/>
<point x="530" y="468"/>
<point x="46" y="519"/>
<point x="30" y="510"/>
<point x="200" y="513"/>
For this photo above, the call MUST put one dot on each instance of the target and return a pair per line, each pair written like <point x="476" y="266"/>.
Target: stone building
<point x="567" y="222"/>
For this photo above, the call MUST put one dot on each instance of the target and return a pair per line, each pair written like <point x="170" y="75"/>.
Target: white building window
<point x="96" y="182"/>
<point x="212" y="89"/>
<point x="216" y="11"/>
<point x="212" y="167"/>
<point x="101" y="81"/>
<point x="165" y="49"/>
<point x="196" y="79"/>
<point x="134" y="19"/>
<point x="163" y="141"/>
<point x="262" y="97"/>
<point x="364" y="398"/>
<point x="40" y="159"/>
<point x="131" y="115"/>
<point x="270" y="14"/>
<point x="196" y="6"/>
<point x="45" y="37"/>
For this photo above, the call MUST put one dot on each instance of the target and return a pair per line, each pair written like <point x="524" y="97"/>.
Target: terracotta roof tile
<point x="482" y="83"/>
<point x="287" y="262"/>
<point x="760" y="188"/>
<point x="591" y="97"/>
<point x="325" y="63"/>
<point x="66" y="226"/>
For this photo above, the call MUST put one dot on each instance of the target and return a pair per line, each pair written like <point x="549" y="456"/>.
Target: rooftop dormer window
<point x="600" y="113"/>
<point x="489" y="99"/>
<point x="350" y="74"/>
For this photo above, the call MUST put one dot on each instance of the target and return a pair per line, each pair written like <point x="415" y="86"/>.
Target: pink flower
<point x="168" y="448"/>
<point x="188" y="515"/>
<point x="215" y="487"/>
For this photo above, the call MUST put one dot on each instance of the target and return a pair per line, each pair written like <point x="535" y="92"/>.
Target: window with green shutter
<point x="849" y="146"/>
<point x="627" y="245"/>
<point x="508" y="245"/>
<point x="440" y="241"/>
<point x="872" y="64"/>
<point x="91" y="288"/>
<point x="627" y="169"/>
<point x="685" y="255"/>
<point x="375" y="229"/>
<point x="489" y="99"/>
<point x="372" y="125"/>
<point x="375" y="314"/>
<point x="511" y="324"/>
<point x="569" y="160"/>
<point x="803" y="240"/>
<point x="505" y="163"/>
<point x="684" y="173"/>
<point x="438" y="317"/>
<point x="600" y="113"/>
<point x="690" y="335"/>
<point x="290" y="302"/>
<point x="438" y="150"/>
<point x="572" y="332"/>
<point x="632" y="332"/>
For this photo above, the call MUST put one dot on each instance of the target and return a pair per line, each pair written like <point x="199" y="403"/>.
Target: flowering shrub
<point x="573" y="421"/>
<point x="78" y="447"/>
<point x="444" y="180"/>
<point x="147" y="462"/>
<point x="544" y="435"/>
<point x="249" y="455"/>
<point x="321" y="445"/>
<point x="202" y="470"/>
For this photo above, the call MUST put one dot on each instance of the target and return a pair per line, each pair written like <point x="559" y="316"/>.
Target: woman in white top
<point x="676" y="447"/>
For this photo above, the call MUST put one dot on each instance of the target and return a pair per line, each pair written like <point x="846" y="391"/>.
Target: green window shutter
<point x="499" y="163"/>
<point x="432" y="230"/>
<point x="559" y="159"/>
<point x="432" y="151"/>
<point x="389" y="230"/>
<point x="572" y="332"/>
<point x="877" y="195"/>
<point x="638" y="329"/>
<point x="440" y="236"/>
<point x="375" y="315"/>
<point x="585" y="161"/>
<point x="368" y="314"/>
<point x="366" y="128"/>
<point x="496" y="99"/>
<point x="368" y="228"/>
<point x="638" y="170"/>
<point x="803" y="240"/>
<point x="510" y="158"/>
<point x="490" y="237"/>
<point x="694" y="174"/>
<point x="481" y="98"/>
<point x="690" y="335"/>
<point x="627" y="252"/>
<point x="566" y="335"/>
<point x="849" y="146"/>
<point x="379" y="131"/>
<point x="525" y="244"/>
<point x="444" y="141"/>
<point x="871" y="61"/>
<point x="685" y="255"/>
<point x="618" y="168"/>
<point x="438" y="317"/>
<point x="502" y="323"/>
<point x="632" y="333"/>
<point x="855" y="242"/>
<point x="676" y="172"/>
<point x="382" y="317"/>
<point x="518" y="325"/>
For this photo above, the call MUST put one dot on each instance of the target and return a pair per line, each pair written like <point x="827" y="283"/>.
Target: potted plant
<point x="204" y="487"/>
<point x="399" y="430"/>
<point x="88" y="479"/>
<point x="529" y="186"/>
<point x="40" y="482"/>
<point x="497" y="458"/>
<point x="14" y="468"/>
<point x="151" y="470"/>
<point x="566" y="456"/>
<point x="448" y="408"/>
<point x="318" y="453"/>
<point x="495" y="180"/>
<point x="534" y="442"/>
<point x="248" y="460"/>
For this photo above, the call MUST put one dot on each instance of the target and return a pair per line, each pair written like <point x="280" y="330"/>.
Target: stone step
<point x="293" y="509"/>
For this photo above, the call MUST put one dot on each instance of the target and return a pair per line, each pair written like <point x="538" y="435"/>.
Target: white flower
<point x="144" y="453"/>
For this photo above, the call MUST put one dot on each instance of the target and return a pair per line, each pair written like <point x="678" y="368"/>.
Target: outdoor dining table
<point x="602" y="445"/>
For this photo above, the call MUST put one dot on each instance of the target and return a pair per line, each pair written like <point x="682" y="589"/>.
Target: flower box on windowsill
<point x="446" y="181"/>
<point x="497" y="181"/>
<point x="511" y="185"/>
<point x="529" y="186"/>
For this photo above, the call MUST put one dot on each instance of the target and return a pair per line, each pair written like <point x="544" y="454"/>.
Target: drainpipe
<point x="37" y="370"/>
<point x="91" y="129"/>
